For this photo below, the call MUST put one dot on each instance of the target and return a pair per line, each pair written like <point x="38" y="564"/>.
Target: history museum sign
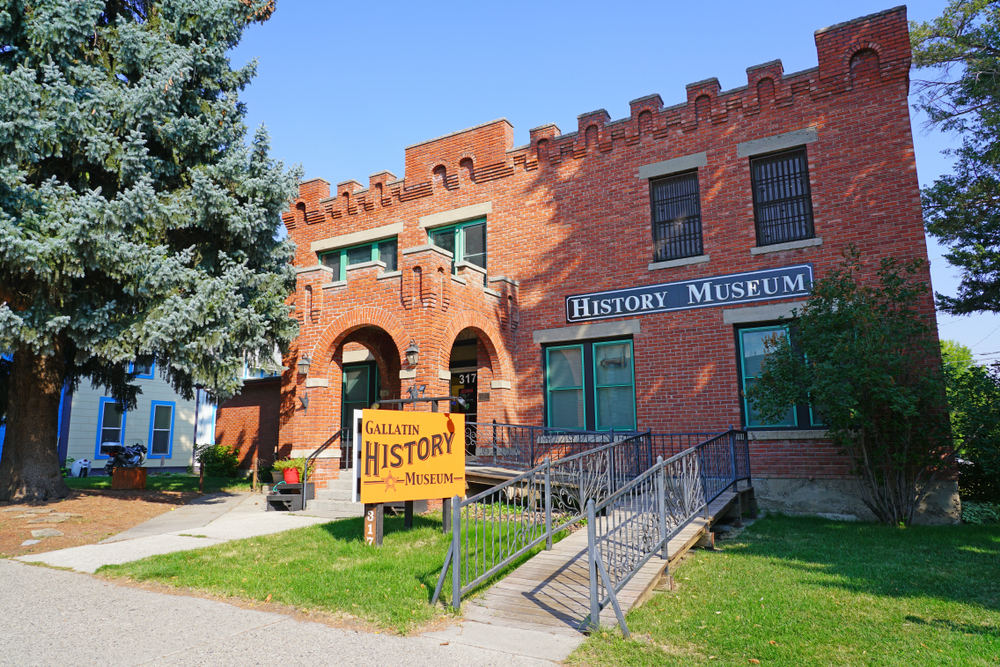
<point x="769" y="284"/>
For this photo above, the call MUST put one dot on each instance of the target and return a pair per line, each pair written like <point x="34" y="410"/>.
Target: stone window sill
<point x="811" y="434"/>
<point x="672" y="263"/>
<point x="791" y="245"/>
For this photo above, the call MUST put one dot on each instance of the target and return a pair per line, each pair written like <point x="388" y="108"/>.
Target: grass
<point x="167" y="482"/>
<point x="324" y="567"/>
<point x="804" y="591"/>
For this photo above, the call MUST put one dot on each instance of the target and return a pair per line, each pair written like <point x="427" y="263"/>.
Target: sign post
<point x="374" y="514"/>
<point x="407" y="456"/>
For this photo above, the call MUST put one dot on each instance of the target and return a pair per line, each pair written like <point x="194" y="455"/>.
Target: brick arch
<point x="856" y="48"/>
<point x="494" y="342"/>
<point x="322" y="350"/>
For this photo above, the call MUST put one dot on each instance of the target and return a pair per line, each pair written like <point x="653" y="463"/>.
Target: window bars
<point x="676" y="208"/>
<point x="782" y="205"/>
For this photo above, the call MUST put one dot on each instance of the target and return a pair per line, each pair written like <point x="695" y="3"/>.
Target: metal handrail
<point x="516" y="523"/>
<point x="312" y="457"/>
<point x="635" y="521"/>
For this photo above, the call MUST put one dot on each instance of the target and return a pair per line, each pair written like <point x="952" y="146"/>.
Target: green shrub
<point x="219" y="460"/>
<point x="980" y="513"/>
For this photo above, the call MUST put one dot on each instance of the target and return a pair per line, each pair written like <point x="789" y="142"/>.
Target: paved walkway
<point x="208" y="520"/>
<point x="53" y="617"/>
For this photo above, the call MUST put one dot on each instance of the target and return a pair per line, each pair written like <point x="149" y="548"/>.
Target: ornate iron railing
<point x="523" y="447"/>
<point x="636" y="522"/>
<point x="492" y="529"/>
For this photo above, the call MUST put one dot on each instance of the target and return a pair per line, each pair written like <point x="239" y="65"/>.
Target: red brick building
<point x="622" y="275"/>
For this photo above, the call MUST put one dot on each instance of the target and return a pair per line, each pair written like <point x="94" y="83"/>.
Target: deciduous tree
<point x="866" y="358"/>
<point x="960" y="51"/>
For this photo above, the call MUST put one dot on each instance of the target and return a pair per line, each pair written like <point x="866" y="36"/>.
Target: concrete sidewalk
<point x="196" y="631"/>
<point x="208" y="520"/>
<point x="60" y="618"/>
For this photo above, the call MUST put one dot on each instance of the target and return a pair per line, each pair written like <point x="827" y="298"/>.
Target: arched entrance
<point x="471" y="370"/>
<point x="369" y="364"/>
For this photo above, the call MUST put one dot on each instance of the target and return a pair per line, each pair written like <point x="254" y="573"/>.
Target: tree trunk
<point x="29" y="466"/>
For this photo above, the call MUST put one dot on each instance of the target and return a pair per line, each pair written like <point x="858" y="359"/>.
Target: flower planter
<point x="277" y="476"/>
<point x="129" y="478"/>
<point x="291" y="475"/>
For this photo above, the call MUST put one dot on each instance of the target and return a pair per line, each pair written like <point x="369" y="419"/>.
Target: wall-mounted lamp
<point x="412" y="353"/>
<point x="303" y="367"/>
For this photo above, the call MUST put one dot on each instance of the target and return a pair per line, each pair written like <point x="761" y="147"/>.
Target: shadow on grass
<point x="952" y="563"/>
<point x="964" y="628"/>
<point x="353" y="529"/>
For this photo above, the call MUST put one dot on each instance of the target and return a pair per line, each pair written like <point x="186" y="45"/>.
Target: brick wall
<point x="250" y="421"/>
<point x="568" y="214"/>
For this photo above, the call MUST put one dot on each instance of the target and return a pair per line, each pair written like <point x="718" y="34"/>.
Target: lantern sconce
<point x="412" y="353"/>
<point x="303" y="367"/>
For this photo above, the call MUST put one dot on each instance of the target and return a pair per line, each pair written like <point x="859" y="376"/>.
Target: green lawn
<point x="324" y="567"/>
<point x="168" y="482"/>
<point x="803" y="591"/>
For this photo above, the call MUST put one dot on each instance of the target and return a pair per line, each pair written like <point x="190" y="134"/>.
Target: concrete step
<point x="333" y="493"/>
<point x="345" y="506"/>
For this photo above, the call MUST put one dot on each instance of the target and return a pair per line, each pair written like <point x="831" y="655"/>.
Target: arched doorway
<point x="471" y="370"/>
<point x="369" y="371"/>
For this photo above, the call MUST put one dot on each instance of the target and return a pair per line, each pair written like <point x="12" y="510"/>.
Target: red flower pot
<point x="291" y="475"/>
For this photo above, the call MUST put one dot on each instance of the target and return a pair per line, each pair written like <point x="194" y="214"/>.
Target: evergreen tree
<point x="962" y="48"/>
<point x="135" y="221"/>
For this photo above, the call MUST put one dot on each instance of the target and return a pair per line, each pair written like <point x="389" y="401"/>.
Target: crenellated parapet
<point x="870" y="51"/>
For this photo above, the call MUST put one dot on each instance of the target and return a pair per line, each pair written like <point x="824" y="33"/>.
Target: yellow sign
<point x="411" y="455"/>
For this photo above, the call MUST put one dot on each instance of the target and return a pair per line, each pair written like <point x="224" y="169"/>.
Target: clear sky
<point x="343" y="88"/>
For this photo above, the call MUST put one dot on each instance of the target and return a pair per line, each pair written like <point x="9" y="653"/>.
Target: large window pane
<point x="387" y="254"/>
<point x="161" y="443"/>
<point x="161" y="430"/>
<point x="566" y="409"/>
<point x="676" y="208"/>
<point x="613" y="364"/>
<point x="111" y="423"/>
<point x="332" y="260"/>
<point x="444" y="240"/>
<point x="356" y="385"/>
<point x="359" y="255"/>
<point x="782" y="202"/>
<point x="566" y="368"/>
<point x="615" y="408"/>
<point x="753" y="350"/>
<point x="161" y="419"/>
<point x="475" y="244"/>
<point x="615" y="390"/>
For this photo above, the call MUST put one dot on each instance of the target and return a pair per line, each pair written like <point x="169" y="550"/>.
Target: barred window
<point x="782" y="206"/>
<point x="676" y="210"/>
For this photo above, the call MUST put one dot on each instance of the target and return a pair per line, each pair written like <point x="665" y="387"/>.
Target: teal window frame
<point x="802" y="414"/>
<point x="100" y="427"/>
<point x="597" y="386"/>
<point x="152" y="429"/>
<point x="375" y="248"/>
<point x="459" y="229"/>
<point x="549" y="389"/>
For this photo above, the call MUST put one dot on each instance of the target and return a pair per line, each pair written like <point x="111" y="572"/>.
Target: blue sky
<point x="344" y="87"/>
